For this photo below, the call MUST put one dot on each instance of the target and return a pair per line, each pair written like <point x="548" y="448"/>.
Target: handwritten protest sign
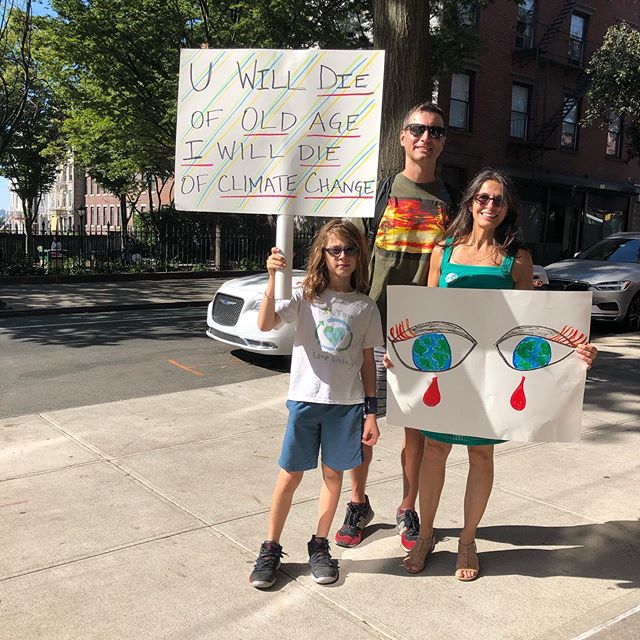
<point x="278" y="132"/>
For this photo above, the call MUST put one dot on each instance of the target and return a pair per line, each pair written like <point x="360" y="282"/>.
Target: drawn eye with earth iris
<point x="531" y="347"/>
<point x="431" y="347"/>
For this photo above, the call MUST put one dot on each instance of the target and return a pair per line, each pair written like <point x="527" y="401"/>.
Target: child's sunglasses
<point x="336" y="252"/>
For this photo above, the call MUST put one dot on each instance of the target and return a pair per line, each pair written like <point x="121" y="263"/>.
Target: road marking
<point x="189" y="369"/>
<point x="11" y="504"/>
<point x="608" y="624"/>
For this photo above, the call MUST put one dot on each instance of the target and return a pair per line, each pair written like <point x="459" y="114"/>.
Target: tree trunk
<point x="401" y="28"/>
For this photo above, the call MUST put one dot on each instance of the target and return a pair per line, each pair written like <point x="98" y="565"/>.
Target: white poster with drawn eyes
<point x="278" y="131"/>
<point x="487" y="363"/>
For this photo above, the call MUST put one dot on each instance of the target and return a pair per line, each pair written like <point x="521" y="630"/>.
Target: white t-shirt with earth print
<point x="331" y="333"/>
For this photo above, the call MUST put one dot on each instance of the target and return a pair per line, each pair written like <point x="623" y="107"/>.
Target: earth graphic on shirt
<point x="334" y="334"/>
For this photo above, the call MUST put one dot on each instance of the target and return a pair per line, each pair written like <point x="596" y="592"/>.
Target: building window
<point x="577" y="32"/>
<point x="525" y="24"/>
<point x="520" y="111"/>
<point x="569" y="135"/>
<point x="92" y="213"/>
<point x="466" y="14"/>
<point x="460" y="106"/>
<point x="614" y="136"/>
<point x="112" y="217"/>
<point x="105" y="215"/>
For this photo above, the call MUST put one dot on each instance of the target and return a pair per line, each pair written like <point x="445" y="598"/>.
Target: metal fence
<point x="220" y="245"/>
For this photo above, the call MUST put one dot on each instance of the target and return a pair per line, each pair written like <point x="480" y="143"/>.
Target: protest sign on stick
<point x="278" y="132"/>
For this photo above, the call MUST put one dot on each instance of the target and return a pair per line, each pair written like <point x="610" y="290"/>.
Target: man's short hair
<point x="428" y="107"/>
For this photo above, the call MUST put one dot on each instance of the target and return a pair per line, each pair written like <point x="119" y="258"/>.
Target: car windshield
<point x="614" y="250"/>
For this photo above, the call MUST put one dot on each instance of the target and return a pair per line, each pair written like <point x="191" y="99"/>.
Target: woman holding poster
<point x="480" y="251"/>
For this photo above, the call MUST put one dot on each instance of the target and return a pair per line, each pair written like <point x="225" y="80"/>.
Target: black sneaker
<point x="264" y="573"/>
<point x="357" y="517"/>
<point x="324" y="569"/>
<point x="408" y="526"/>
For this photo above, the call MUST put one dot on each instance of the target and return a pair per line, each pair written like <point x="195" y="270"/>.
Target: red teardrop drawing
<point x="431" y="396"/>
<point x="518" y="399"/>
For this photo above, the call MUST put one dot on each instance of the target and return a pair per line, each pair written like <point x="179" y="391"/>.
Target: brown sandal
<point x="419" y="554"/>
<point x="467" y="561"/>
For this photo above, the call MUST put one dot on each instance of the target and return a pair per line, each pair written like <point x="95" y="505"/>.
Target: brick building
<point x="518" y="106"/>
<point x="103" y="208"/>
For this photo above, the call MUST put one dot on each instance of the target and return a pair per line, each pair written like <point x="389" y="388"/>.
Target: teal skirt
<point x="450" y="438"/>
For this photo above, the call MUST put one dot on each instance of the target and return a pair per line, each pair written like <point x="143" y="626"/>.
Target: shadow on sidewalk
<point x="605" y="551"/>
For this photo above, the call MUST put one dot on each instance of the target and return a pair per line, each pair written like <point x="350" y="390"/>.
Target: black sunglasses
<point x="485" y="198"/>
<point x="417" y="130"/>
<point x="337" y="251"/>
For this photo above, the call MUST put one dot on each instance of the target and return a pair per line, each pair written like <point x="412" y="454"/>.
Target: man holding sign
<point x="411" y="212"/>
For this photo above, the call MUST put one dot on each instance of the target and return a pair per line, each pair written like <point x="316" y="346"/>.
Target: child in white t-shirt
<point x="331" y="401"/>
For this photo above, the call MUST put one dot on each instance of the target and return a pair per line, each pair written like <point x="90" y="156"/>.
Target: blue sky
<point x="4" y="193"/>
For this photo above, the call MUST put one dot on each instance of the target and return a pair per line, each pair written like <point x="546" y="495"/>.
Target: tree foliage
<point x="15" y="65"/>
<point x="615" y="83"/>
<point x="32" y="152"/>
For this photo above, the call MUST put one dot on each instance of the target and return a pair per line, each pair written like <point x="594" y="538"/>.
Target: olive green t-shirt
<point x="415" y="216"/>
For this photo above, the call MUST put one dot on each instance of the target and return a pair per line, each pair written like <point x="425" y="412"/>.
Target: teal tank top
<point x="473" y="276"/>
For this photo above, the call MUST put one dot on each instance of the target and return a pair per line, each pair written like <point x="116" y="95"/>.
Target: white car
<point x="540" y="279"/>
<point x="232" y="316"/>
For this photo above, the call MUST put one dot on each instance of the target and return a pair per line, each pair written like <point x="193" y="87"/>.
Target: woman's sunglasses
<point x="336" y="252"/>
<point x="417" y="130"/>
<point x="484" y="199"/>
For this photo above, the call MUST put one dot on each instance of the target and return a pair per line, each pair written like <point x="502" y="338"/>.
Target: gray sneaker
<point x="324" y="569"/>
<point x="263" y="575"/>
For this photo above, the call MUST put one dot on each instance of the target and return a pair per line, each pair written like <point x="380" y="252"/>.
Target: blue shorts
<point x="334" y="429"/>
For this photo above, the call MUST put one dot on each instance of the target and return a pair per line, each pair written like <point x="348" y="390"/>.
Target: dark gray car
<point x="611" y="270"/>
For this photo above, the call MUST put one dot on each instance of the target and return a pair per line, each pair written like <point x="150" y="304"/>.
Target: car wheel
<point x="633" y="314"/>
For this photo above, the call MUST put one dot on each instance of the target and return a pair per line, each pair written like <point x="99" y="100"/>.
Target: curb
<point x="17" y="313"/>
<point x="124" y="277"/>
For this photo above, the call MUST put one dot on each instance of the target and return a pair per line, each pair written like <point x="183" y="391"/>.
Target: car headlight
<point x="621" y="285"/>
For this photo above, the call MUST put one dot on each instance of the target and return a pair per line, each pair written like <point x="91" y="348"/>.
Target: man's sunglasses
<point x="336" y="252"/>
<point x="484" y="199"/>
<point x="417" y="130"/>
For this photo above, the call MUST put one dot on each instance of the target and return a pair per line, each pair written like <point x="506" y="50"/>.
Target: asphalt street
<point x="56" y="362"/>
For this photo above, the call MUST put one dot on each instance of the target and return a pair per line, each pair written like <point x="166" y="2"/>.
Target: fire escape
<point x="555" y="49"/>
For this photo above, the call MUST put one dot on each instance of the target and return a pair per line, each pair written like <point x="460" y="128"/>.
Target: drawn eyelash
<point x="570" y="336"/>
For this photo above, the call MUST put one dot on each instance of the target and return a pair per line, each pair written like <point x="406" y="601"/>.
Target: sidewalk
<point x="142" y="518"/>
<point x="83" y="297"/>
